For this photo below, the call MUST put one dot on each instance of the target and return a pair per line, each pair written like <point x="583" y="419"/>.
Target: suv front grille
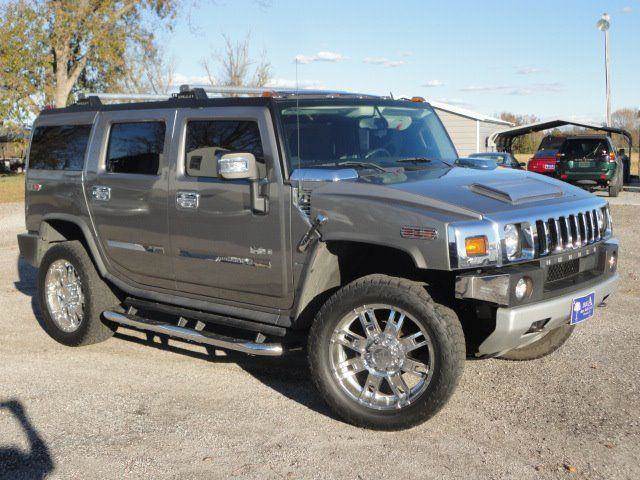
<point x="555" y="235"/>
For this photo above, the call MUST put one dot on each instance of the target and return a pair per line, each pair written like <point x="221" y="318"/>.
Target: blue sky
<point x="543" y="57"/>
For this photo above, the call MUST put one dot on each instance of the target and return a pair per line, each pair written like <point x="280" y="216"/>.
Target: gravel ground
<point x="123" y="409"/>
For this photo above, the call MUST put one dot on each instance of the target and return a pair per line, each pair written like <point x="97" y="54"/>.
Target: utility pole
<point x="603" y="25"/>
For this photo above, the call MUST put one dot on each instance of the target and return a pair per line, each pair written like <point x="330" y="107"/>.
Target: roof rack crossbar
<point x="124" y="96"/>
<point x="204" y="91"/>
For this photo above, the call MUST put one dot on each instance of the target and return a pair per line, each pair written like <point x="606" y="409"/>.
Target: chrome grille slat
<point x="559" y="242"/>
<point x="588" y="227"/>
<point x="577" y="239"/>
<point x="567" y="228"/>
<point x="596" y="230"/>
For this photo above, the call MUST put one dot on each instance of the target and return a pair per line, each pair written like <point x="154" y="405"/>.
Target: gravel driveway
<point x="123" y="409"/>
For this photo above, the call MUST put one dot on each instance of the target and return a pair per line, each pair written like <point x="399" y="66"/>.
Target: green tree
<point x="51" y="48"/>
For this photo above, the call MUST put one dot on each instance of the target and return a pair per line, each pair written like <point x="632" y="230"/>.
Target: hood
<point x="463" y="191"/>
<point x="491" y="191"/>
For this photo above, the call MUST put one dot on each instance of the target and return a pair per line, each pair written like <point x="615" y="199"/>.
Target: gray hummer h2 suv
<point x="329" y="221"/>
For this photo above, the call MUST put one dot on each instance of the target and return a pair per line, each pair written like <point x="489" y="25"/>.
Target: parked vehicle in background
<point x="331" y="222"/>
<point x="502" y="159"/>
<point x="591" y="161"/>
<point x="11" y="165"/>
<point x="544" y="162"/>
<point x="477" y="163"/>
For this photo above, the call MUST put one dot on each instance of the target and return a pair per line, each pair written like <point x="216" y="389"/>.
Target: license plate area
<point x="582" y="308"/>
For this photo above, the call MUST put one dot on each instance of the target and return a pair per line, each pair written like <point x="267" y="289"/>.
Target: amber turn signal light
<point x="476" y="246"/>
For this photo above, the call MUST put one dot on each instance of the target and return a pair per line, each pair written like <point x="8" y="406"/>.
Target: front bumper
<point x="556" y="280"/>
<point x="513" y="323"/>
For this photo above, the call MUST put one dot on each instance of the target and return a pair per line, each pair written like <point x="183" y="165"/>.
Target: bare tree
<point x="235" y="67"/>
<point x="150" y="70"/>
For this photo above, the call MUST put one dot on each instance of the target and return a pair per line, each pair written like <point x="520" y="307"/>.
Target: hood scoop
<point x="518" y="191"/>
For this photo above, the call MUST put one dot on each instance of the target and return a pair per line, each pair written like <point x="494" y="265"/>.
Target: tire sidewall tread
<point x="97" y="296"/>
<point x="441" y="323"/>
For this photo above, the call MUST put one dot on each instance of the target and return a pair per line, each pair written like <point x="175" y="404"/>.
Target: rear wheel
<point x="384" y="355"/>
<point x="548" y="344"/>
<point x="72" y="296"/>
<point x="616" y="186"/>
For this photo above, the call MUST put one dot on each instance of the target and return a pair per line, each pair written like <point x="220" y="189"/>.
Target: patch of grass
<point x="12" y="188"/>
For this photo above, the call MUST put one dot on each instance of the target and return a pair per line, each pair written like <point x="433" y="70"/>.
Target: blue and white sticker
<point x="582" y="308"/>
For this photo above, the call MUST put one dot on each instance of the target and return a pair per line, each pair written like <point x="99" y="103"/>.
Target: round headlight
<point x="522" y="288"/>
<point x="511" y="240"/>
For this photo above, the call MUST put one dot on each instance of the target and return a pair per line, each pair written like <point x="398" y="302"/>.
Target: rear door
<point x="126" y="188"/>
<point x="222" y="249"/>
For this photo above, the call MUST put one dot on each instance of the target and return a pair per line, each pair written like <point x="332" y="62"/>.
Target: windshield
<point x="365" y="134"/>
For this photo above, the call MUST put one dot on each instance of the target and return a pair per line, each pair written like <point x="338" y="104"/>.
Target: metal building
<point x="469" y="130"/>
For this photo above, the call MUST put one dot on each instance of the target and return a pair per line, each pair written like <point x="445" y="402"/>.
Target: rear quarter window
<point x="59" y="147"/>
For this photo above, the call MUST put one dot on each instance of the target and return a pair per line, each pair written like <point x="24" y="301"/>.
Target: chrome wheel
<point x="63" y="294"/>
<point x="381" y="357"/>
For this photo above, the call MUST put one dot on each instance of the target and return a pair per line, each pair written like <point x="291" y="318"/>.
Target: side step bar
<point x="205" y="338"/>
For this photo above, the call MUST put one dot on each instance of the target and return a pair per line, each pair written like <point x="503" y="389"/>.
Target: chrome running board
<point x="205" y="338"/>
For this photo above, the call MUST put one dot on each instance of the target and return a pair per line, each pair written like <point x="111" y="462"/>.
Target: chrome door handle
<point x="188" y="200"/>
<point x="100" y="193"/>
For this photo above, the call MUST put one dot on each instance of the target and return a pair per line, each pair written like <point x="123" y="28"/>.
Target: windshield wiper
<point x="357" y="164"/>
<point x="421" y="160"/>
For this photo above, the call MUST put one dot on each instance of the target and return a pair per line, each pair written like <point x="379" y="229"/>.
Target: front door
<point x="222" y="249"/>
<point x="126" y="188"/>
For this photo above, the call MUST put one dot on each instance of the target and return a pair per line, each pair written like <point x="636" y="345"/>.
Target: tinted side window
<point x="60" y="147"/>
<point x="135" y="147"/>
<point x="207" y="140"/>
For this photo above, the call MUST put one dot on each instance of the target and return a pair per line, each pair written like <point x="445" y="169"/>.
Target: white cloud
<point x="406" y="53"/>
<point x="324" y="56"/>
<point x="485" y="88"/>
<point x="181" y="79"/>
<point x="456" y="102"/>
<point x="551" y="87"/>
<point x="433" y="83"/>
<point x="385" y="62"/>
<point x="528" y="70"/>
<point x="627" y="9"/>
<point x="288" y="83"/>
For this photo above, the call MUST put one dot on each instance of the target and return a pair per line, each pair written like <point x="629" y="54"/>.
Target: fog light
<point x="613" y="260"/>
<point x="523" y="288"/>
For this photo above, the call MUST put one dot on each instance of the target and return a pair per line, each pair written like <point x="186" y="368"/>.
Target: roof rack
<point x="206" y="91"/>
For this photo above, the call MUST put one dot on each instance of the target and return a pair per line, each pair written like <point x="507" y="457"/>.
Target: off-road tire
<point x="440" y="322"/>
<point x="616" y="187"/>
<point x="548" y="344"/>
<point x="98" y="297"/>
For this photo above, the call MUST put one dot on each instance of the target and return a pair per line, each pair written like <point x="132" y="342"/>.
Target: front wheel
<point x="384" y="355"/>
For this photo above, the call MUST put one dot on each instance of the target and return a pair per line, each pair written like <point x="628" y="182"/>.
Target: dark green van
<point x="590" y="162"/>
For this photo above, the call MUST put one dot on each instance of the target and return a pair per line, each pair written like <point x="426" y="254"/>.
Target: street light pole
<point x="603" y="25"/>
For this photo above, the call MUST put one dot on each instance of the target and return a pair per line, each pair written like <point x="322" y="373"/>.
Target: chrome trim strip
<point x="136" y="247"/>
<point x="323" y="174"/>
<point x="175" y="331"/>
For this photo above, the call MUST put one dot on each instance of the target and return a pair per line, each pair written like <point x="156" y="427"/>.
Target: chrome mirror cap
<point x="234" y="166"/>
